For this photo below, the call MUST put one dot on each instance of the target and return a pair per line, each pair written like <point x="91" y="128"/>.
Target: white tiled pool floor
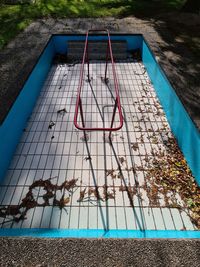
<point x="51" y="147"/>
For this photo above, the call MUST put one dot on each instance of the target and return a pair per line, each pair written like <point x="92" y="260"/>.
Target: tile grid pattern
<point x="61" y="153"/>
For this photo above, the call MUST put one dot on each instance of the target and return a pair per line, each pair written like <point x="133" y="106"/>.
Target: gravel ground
<point x="99" y="252"/>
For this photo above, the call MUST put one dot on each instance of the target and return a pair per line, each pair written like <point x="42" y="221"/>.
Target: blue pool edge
<point x="96" y="233"/>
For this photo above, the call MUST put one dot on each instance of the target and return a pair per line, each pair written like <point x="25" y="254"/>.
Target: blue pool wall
<point x="96" y="233"/>
<point x="186" y="133"/>
<point x="133" y="41"/>
<point x="15" y="122"/>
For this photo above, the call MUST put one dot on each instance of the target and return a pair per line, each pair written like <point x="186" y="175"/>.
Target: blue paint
<point x="187" y="135"/>
<point x="96" y="233"/>
<point x="183" y="128"/>
<point x="12" y="127"/>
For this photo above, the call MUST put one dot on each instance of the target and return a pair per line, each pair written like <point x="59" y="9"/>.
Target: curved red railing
<point x="117" y="99"/>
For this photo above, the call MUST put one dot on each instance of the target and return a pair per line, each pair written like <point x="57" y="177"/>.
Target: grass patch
<point x="16" y="18"/>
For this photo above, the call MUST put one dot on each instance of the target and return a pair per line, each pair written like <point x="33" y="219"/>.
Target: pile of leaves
<point x="168" y="175"/>
<point x="92" y="194"/>
<point x="30" y="201"/>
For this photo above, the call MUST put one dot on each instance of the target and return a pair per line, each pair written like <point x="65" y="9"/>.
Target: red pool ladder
<point x="117" y="105"/>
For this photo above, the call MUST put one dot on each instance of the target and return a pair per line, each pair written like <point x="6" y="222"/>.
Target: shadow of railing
<point x="142" y="224"/>
<point x="104" y="220"/>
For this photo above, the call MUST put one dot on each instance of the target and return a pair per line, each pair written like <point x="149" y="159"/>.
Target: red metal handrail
<point x="117" y="99"/>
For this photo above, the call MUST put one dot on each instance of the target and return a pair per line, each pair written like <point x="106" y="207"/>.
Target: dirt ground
<point x="186" y="29"/>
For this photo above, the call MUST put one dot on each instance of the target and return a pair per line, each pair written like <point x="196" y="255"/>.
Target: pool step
<point x="97" y="50"/>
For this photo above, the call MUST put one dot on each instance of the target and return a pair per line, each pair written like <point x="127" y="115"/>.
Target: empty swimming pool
<point x="61" y="182"/>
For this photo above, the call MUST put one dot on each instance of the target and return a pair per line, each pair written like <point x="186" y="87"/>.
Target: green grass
<point x="16" y="18"/>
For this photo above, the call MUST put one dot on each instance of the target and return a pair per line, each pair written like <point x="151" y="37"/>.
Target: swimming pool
<point x="49" y="84"/>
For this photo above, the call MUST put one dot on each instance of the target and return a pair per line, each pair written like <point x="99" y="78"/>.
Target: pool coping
<point x="99" y="233"/>
<point x="22" y="54"/>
